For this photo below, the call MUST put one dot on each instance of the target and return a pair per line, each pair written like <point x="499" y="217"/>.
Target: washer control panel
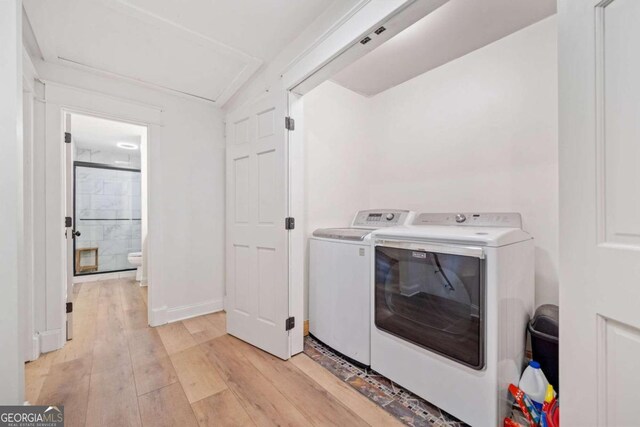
<point x="505" y="219"/>
<point x="378" y="218"/>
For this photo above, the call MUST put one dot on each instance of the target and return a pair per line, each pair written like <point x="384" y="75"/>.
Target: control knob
<point x="390" y="216"/>
<point x="460" y="218"/>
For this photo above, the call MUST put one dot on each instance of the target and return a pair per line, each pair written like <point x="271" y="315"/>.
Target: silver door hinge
<point x="67" y="138"/>
<point x="289" y="123"/>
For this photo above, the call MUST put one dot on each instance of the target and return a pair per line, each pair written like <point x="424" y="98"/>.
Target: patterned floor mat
<point x="401" y="403"/>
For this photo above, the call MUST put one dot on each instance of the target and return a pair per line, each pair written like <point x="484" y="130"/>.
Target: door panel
<point x="599" y="211"/>
<point x="257" y="293"/>
<point x="619" y="85"/>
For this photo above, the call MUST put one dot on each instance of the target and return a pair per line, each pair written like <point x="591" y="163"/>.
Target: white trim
<point x="84" y="101"/>
<point x="347" y="16"/>
<point x="50" y="340"/>
<point x="188" y="311"/>
<point x="158" y="316"/>
<point x="296" y="236"/>
<point x="35" y="348"/>
<point x="60" y="99"/>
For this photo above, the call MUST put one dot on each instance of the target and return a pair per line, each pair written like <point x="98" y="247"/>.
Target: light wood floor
<point x="117" y="371"/>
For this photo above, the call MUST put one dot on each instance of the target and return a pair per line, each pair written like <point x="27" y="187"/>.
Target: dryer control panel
<point x="378" y="218"/>
<point x="504" y="219"/>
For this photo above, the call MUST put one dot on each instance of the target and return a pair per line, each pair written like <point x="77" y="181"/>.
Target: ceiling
<point x="455" y="29"/>
<point x="206" y="50"/>
<point x="102" y="134"/>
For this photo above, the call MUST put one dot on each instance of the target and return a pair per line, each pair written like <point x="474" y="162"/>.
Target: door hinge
<point x="69" y="307"/>
<point x="289" y="123"/>
<point x="68" y="222"/>
<point x="289" y="223"/>
<point x="67" y="138"/>
<point x="290" y="323"/>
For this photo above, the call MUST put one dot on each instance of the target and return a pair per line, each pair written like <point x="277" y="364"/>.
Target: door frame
<point x="59" y="100"/>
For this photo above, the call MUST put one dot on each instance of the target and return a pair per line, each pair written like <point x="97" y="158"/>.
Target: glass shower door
<point x="108" y="217"/>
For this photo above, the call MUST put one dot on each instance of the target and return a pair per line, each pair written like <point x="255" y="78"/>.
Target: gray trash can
<point x="543" y="328"/>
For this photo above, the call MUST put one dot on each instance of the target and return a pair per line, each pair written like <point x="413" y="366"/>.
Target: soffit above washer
<point x="208" y="49"/>
<point x="455" y="29"/>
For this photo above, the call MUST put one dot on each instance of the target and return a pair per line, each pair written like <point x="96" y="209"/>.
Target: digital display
<point x="374" y="217"/>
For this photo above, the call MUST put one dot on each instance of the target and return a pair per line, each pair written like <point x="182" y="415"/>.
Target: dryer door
<point x="433" y="296"/>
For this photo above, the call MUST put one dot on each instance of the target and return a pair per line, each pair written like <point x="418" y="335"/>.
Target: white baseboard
<point x="158" y="316"/>
<point x="50" y="340"/>
<point x="104" y="276"/>
<point x="193" y="310"/>
<point x="35" y="347"/>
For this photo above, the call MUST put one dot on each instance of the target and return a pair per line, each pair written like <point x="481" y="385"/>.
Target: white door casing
<point x="69" y="213"/>
<point x="257" y="282"/>
<point x="599" y="87"/>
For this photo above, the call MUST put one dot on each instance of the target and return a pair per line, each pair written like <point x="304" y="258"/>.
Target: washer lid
<point x="357" y="234"/>
<point x="480" y="236"/>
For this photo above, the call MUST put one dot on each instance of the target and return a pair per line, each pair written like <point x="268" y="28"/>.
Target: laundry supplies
<point x="534" y="383"/>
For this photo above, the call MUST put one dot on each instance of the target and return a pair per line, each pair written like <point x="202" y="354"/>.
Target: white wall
<point x="336" y="134"/>
<point x="476" y="134"/>
<point x="186" y="174"/>
<point x="12" y="366"/>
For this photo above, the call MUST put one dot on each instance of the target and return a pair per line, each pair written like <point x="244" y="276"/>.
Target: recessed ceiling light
<point x="127" y="145"/>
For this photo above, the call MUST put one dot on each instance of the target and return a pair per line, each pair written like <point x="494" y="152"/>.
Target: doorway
<point x="105" y="203"/>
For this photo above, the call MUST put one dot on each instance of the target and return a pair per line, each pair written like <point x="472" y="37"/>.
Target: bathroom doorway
<point x="107" y="199"/>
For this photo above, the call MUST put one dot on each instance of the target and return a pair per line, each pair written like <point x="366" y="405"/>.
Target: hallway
<point x="118" y="371"/>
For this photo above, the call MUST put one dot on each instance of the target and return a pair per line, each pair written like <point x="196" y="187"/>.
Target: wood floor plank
<point x="175" y="337"/>
<point x="197" y="324"/>
<point x="198" y="376"/>
<point x="145" y="345"/>
<point x="373" y="414"/>
<point x="168" y="407"/>
<point x="68" y="384"/>
<point x="110" y="352"/>
<point x="144" y="294"/>
<point x="207" y="327"/>
<point x="154" y="374"/>
<point x="151" y="364"/>
<point x="320" y="407"/>
<point x="35" y="373"/>
<point x="80" y="347"/>
<point x="218" y="320"/>
<point x="221" y="410"/>
<point x="260" y="398"/>
<point x="113" y="399"/>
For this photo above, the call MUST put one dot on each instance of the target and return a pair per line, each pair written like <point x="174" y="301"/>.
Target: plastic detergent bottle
<point x="534" y="383"/>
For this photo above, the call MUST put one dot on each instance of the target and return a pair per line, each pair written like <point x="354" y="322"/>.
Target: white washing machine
<point x="452" y="294"/>
<point x="340" y="282"/>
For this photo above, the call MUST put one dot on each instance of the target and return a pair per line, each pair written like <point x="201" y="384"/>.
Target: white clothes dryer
<point x="452" y="295"/>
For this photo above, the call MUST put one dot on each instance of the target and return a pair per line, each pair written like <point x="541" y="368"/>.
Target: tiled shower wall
<point x="108" y="212"/>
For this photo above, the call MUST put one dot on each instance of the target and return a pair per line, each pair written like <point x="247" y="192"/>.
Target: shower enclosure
<point x="107" y="204"/>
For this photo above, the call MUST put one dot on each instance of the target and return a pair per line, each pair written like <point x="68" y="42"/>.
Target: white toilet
<point x="135" y="258"/>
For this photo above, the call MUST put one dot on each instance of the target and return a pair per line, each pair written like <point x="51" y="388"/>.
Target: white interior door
<point x="599" y="61"/>
<point x="257" y="286"/>
<point x="70" y="232"/>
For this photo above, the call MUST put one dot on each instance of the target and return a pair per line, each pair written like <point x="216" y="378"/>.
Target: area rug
<point x="399" y="402"/>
